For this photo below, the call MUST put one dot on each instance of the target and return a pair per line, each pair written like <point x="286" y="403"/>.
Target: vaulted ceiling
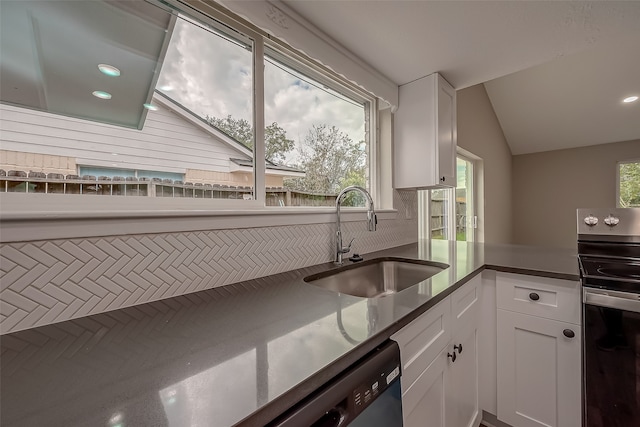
<point x="556" y="72"/>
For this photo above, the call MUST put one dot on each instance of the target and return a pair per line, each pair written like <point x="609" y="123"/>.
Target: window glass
<point x="465" y="215"/>
<point x="441" y="211"/>
<point x="316" y="142"/>
<point x="629" y="184"/>
<point x="449" y="214"/>
<point x="173" y="84"/>
<point x="157" y="103"/>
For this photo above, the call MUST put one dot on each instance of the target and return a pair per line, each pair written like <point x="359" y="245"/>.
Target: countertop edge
<point x="284" y="402"/>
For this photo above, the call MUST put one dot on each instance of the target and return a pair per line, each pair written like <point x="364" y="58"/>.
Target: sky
<point x="212" y="76"/>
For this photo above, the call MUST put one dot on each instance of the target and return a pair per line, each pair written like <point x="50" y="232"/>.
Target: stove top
<point x="609" y="248"/>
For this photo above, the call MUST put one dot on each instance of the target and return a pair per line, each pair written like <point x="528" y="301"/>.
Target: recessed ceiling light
<point x="630" y="99"/>
<point x="166" y="88"/>
<point x="109" y="70"/>
<point x="150" y="107"/>
<point x="101" y="94"/>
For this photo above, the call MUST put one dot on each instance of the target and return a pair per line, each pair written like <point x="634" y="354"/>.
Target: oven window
<point x="612" y="367"/>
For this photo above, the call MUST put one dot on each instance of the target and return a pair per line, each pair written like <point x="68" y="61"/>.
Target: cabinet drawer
<point x="421" y="341"/>
<point x="539" y="296"/>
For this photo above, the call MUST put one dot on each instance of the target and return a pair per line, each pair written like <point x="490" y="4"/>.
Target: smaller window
<point x="629" y="184"/>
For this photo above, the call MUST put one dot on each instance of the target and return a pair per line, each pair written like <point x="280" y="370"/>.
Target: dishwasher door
<point x="368" y="394"/>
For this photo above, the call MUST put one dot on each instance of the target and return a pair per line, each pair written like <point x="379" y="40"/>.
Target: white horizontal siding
<point x="166" y="143"/>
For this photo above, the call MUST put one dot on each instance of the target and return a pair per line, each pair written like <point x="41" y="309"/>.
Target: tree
<point x="277" y="144"/>
<point x="330" y="160"/>
<point x="630" y="184"/>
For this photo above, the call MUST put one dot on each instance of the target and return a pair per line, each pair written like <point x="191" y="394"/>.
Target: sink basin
<point x="376" y="277"/>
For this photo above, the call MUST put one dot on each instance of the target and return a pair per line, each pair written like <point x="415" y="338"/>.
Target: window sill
<point x="25" y="219"/>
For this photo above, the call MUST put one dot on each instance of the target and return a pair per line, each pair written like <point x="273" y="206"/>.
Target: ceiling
<point x="50" y="51"/>
<point x="556" y="72"/>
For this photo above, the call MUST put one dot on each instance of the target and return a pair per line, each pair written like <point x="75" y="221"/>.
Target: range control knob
<point x="591" y="220"/>
<point x="611" y="221"/>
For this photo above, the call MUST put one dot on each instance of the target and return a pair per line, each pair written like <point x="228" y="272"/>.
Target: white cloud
<point x="213" y="76"/>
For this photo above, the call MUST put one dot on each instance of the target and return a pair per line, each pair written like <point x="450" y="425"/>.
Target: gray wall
<point x="548" y="187"/>
<point x="479" y="132"/>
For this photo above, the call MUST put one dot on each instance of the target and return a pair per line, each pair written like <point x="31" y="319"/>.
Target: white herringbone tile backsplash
<point x="50" y="281"/>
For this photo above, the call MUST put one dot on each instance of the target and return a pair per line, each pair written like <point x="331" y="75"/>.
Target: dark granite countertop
<point x="238" y="354"/>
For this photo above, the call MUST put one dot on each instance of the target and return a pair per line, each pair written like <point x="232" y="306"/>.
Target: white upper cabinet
<point x="425" y="134"/>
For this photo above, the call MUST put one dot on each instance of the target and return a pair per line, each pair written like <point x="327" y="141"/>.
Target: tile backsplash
<point x="50" y="281"/>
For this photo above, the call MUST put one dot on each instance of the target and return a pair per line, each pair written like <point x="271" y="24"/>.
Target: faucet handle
<point x="348" y="248"/>
<point x="372" y="221"/>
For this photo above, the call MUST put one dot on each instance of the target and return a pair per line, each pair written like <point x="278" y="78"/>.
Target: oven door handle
<point x="612" y="299"/>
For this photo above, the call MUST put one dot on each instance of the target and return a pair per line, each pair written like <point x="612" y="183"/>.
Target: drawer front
<point x="421" y="341"/>
<point x="465" y="307"/>
<point x="539" y="296"/>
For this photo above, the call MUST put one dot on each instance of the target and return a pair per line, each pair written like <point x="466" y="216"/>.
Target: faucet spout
<point x="372" y="220"/>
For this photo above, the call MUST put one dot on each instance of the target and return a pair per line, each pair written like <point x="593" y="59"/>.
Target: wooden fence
<point x="53" y="183"/>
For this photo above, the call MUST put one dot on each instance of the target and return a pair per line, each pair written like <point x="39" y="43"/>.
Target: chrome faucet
<point x="372" y="221"/>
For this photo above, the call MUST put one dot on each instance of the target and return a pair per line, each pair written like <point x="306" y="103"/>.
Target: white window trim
<point x="24" y="212"/>
<point x="22" y="219"/>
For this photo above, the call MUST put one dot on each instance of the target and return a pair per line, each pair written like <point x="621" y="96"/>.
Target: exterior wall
<point x="233" y="178"/>
<point x="50" y="281"/>
<point x="548" y="188"/>
<point x="35" y="162"/>
<point x="166" y="143"/>
<point x="479" y="132"/>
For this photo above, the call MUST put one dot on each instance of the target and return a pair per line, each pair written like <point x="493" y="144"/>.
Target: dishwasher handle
<point x="336" y="417"/>
<point x="626" y="301"/>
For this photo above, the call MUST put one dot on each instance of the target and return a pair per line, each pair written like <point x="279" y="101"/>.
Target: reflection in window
<point x="165" y="138"/>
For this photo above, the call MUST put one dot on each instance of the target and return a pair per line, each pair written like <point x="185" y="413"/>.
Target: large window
<point x="629" y="184"/>
<point x="175" y="105"/>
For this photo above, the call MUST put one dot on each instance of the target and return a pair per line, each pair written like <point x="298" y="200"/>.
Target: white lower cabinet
<point x="423" y="404"/>
<point x="539" y="371"/>
<point x="445" y="392"/>
<point x="462" y="377"/>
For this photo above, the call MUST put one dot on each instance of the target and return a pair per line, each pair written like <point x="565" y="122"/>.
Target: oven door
<point x="611" y="358"/>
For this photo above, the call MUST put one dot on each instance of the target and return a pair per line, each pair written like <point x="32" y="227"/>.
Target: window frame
<point x="216" y="16"/>
<point x="618" y="164"/>
<point x="450" y="221"/>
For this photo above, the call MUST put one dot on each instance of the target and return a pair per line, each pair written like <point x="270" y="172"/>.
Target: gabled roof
<point x="220" y="135"/>
<point x="200" y="122"/>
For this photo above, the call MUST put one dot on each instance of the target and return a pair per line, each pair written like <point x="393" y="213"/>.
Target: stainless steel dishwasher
<point x="367" y="394"/>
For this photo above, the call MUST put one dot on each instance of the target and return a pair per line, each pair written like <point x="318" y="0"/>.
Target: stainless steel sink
<point x="377" y="277"/>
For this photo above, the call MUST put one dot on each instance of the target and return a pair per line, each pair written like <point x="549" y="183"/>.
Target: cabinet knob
<point x="534" y="297"/>
<point x="442" y="179"/>
<point x="458" y="347"/>
<point x="569" y="333"/>
<point x="452" y="356"/>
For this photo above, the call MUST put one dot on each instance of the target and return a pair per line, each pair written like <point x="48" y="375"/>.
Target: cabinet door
<point x="539" y="371"/>
<point x="425" y="134"/>
<point x="447" y="134"/>
<point x="423" y="404"/>
<point x="462" y="409"/>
